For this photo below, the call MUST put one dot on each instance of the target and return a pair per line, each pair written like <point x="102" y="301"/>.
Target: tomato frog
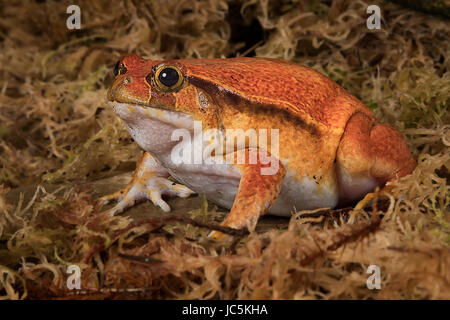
<point x="329" y="149"/>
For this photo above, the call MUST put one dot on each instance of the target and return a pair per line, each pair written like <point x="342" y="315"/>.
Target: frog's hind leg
<point x="149" y="182"/>
<point x="369" y="155"/>
<point x="258" y="190"/>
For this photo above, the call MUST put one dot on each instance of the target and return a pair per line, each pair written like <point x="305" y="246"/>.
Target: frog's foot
<point x="149" y="182"/>
<point x="258" y="190"/>
<point x="152" y="189"/>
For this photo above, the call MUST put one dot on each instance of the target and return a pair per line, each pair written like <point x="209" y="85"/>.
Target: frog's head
<point x="160" y="85"/>
<point x="153" y="98"/>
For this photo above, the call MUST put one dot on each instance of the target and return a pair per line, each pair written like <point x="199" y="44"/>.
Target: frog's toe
<point x="120" y="207"/>
<point x="171" y="188"/>
<point x="155" y="197"/>
<point x="114" y="196"/>
<point x="366" y="200"/>
<point x="158" y="187"/>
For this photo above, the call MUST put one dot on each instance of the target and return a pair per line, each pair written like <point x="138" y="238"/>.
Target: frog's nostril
<point x="127" y="80"/>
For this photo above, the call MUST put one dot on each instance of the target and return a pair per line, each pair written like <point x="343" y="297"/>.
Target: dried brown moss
<point x="54" y="127"/>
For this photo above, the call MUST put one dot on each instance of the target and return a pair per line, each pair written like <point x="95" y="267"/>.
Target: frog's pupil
<point x="168" y="77"/>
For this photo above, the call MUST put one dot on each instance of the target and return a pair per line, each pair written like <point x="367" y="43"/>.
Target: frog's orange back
<point x="300" y="90"/>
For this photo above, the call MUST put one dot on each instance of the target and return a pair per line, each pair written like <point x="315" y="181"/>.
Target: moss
<point x="56" y="128"/>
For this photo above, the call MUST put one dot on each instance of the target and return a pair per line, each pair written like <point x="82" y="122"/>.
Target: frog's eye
<point x="168" y="78"/>
<point x="119" y="69"/>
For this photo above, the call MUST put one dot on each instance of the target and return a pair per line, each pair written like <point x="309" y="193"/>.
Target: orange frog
<point x="254" y="135"/>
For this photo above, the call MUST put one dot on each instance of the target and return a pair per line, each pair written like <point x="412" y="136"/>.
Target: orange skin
<point x="326" y="135"/>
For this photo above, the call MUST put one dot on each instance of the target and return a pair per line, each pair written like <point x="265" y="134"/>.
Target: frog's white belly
<point x="152" y="129"/>
<point x="220" y="184"/>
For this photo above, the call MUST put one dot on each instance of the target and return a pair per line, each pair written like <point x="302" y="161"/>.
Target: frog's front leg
<point x="258" y="190"/>
<point x="149" y="182"/>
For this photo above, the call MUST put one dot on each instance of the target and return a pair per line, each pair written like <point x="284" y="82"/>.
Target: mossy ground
<point x="57" y="138"/>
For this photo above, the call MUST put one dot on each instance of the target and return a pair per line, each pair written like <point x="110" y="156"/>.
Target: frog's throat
<point x="152" y="128"/>
<point x="134" y="114"/>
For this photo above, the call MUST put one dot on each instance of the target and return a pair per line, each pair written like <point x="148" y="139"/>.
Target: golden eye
<point x="168" y="78"/>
